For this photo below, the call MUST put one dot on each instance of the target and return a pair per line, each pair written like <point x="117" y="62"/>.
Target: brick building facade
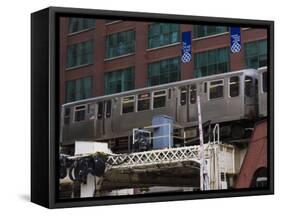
<point x="100" y="57"/>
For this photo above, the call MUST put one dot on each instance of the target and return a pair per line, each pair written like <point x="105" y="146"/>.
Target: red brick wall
<point x="142" y="55"/>
<point x="256" y="156"/>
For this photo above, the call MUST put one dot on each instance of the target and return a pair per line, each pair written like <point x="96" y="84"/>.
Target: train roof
<point x="166" y="85"/>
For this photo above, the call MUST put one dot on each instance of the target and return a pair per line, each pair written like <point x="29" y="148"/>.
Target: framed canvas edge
<point x="53" y="203"/>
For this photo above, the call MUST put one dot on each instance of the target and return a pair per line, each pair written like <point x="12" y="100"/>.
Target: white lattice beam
<point x="154" y="157"/>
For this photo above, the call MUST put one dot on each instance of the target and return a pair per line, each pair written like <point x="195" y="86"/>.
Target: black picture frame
<point x="45" y="112"/>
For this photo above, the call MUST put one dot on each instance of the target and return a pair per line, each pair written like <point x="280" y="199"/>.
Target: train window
<point x="192" y="94"/>
<point x="205" y="87"/>
<point x="128" y="104"/>
<point x="100" y="110"/>
<point x="249" y="86"/>
<point x="170" y="93"/>
<point x="66" y="116"/>
<point x="261" y="182"/>
<point x="144" y="101"/>
<point x="80" y="113"/>
<point x="108" y="109"/>
<point x="216" y="89"/>
<point x="91" y="111"/>
<point x="183" y="95"/>
<point x="264" y="81"/>
<point x="91" y="108"/>
<point x="234" y="86"/>
<point x="159" y="99"/>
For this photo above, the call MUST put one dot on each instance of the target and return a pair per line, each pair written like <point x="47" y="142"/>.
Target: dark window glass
<point x="169" y="93"/>
<point x="91" y="108"/>
<point x="183" y="95"/>
<point x="80" y="54"/>
<point x="128" y="104"/>
<point x="205" y="87"/>
<point x="256" y="54"/>
<point x="211" y="62"/>
<point x="264" y="81"/>
<point x="144" y="101"/>
<point x="192" y="94"/>
<point x="108" y="109"/>
<point x="66" y="116"/>
<point x="120" y="43"/>
<point x="249" y="86"/>
<point x="78" y="89"/>
<point x="206" y="30"/>
<point x="216" y="89"/>
<point x="159" y="99"/>
<point x="164" y="71"/>
<point x="234" y="86"/>
<point x="79" y="113"/>
<point x="79" y="24"/>
<point x="261" y="182"/>
<point x="161" y="34"/>
<point x="100" y="110"/>
<point x="119" y="81"/>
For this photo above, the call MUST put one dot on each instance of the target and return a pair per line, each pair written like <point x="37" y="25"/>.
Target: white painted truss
<point x="155" y="157"/>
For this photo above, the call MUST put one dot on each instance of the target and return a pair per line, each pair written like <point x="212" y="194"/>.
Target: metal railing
<point x="154" y="157"/>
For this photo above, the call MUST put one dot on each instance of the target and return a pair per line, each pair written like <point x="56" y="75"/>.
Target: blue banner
<point x="186" y="47"/>
<point x="235" y="39"/>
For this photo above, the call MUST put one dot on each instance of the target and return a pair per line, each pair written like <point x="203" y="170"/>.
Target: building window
<point x="164" y="71"/>
<point x="206" y="30"/>
<point x="159" y="99"/>
<point x="78" y="89"/>
<point x="211" y="62"/>
<point x="120" y="43"/>
<point x="128" y="104"/>
<point x="256" y="54"/>
<point x="144" y="101"/>
<point x="234" y="86"/>
<point x="80" y="113"/>
<point x="80" y="54"/>
<point x="80" y="24"/>
<point x="119" y="81"/>
<point x="216" y="89"/>
<point x="192" y="94"/>
<point x="161" y="34"/>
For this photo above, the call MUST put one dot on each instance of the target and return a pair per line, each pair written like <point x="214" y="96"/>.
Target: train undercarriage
<point x="234" y="132"/>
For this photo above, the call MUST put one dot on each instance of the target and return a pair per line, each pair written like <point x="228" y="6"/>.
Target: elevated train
<point x="234" y="99"/>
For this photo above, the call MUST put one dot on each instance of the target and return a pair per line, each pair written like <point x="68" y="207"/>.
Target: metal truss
<point x="155" y="157"/>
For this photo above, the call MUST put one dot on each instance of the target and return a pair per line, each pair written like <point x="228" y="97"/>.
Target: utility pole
<point x="201" y="152"/>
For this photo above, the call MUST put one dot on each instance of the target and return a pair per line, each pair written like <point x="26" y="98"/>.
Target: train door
<point x="187" y="110"/>
<point x="250" y="96"/>
<point x="262" y="94"/>
<point x="183" y="106"/>
<point x="104" y="118"/>
<point x="192" y="102"/>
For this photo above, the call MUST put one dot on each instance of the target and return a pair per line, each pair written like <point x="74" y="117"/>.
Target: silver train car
<point x="230" y="99"/>
<point x="262" y="91"/>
